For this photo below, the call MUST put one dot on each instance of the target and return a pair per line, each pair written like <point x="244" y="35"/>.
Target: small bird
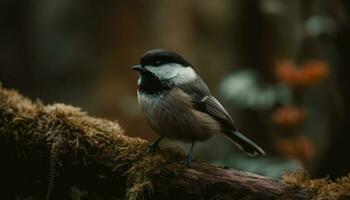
<point x="178" y="104"/>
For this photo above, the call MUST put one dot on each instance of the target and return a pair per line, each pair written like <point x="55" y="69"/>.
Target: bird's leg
<point x="188" y="160"/>
<point x="154" y="146"/>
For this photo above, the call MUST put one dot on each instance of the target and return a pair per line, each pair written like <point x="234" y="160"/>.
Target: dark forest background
<point x="280" y="67"/>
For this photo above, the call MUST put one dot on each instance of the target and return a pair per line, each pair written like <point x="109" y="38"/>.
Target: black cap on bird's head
<point x="159" y="57"/>
<point x="161" y="70"/>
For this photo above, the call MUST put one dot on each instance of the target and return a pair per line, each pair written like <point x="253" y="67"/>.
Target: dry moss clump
<point x="139" y="175"/>
<point x="67" y="139"/>
<point x="322" y="188"/>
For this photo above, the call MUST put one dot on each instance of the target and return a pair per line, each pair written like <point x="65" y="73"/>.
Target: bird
<point x="178" y="104"/>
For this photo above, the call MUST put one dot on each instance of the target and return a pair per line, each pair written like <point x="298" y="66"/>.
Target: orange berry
<point x="305" y="147"/>
<point x="286" y="71"/>
<point x="300" y="147"/>
<point x="286" y="147"/>
<point x="288" y="116"/>
<point x="313" y="71"/>
<point x="309" y="73"/>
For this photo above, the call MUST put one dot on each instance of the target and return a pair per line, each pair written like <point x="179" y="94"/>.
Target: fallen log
<point x="59" y="152"/>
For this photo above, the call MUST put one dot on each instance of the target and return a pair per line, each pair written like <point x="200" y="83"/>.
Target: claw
<point x="152" y="148"/>
<point x="188" y="161"/>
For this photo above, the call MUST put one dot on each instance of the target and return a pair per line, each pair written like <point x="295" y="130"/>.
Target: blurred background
<point x="279" y="66"/>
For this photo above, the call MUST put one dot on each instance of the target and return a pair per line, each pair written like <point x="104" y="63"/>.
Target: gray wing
<point x="205" y="102"/>
<point x="212" y="106"/>
<point x="216" y="110"/>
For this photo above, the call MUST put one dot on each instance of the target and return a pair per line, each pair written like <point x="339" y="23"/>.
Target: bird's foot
<point x="153" y="147"/>
<point x="188" y="161"/>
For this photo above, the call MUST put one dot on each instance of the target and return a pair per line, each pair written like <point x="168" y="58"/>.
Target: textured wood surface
<point x="59" y="152"/>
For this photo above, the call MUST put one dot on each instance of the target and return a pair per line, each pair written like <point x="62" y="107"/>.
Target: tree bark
<point x="205" y="181"/>
<point x="59" y="152"/>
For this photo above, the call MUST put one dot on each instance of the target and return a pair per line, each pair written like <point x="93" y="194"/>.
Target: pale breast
<point x="172" y="115"/>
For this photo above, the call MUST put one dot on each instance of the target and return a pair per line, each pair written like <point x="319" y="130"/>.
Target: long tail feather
<point x="244" y="143"/>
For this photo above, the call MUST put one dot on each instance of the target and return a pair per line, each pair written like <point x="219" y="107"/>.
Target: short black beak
<point x="138" y="68"/>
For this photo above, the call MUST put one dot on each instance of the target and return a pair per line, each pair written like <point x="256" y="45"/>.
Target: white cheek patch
<point x="139" y="81"/>
<point x="186" y="75"/>
<point x="174" y="72"/>
<point x="167" y="71"/>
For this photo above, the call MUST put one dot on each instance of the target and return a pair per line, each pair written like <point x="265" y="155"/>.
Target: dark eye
<point x="158" y="62"/>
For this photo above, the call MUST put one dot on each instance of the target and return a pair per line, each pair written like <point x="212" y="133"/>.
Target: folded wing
<point x="205" y="102"/>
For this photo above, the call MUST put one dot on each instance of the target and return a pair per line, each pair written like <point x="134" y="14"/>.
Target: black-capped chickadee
<point x="178" y="104"/>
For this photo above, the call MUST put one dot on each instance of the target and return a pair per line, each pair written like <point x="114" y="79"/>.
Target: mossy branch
<point x="95" y="160"/>
<point x="56" y="157"/>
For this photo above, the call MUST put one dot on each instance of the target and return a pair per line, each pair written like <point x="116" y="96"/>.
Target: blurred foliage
<point x="245" y="89"/>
